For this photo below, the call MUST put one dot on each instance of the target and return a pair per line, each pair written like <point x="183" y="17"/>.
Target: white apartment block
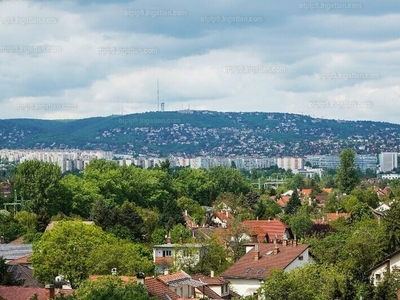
<point x="387" y="161"/>
<point x="293" y="163"/>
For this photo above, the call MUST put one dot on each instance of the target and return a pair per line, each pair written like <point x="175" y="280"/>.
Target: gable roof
<point x="248" y="268"/>
<point x="24" y="260"/>
<point x="23" y="272"/>
<point x="336" y="215"/>
<point x="283" y="201"/>
<point x="271" y="227"/>
<point x="210" y="280"/>
<point x="386" y="259"/>
<point x="25" y="293"/>
<point x="158" y="289"/>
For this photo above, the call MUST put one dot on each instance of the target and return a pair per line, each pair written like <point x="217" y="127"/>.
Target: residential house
<point x="389" y="264"/>
<point x="223" y="219"/>
<point x="215" y="288"/>
<point x="337" y="215"/>
<point x="248" y="273"/>
<point x="171" y="286"/>
<point x="265" y="231"/>
<point x="178" y="255"/>
<point x="26" y="293"/>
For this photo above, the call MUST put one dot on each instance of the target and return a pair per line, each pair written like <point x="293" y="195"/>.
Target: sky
<point x="77" y="59"/>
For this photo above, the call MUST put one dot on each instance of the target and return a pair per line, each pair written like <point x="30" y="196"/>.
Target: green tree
<point x="214" y="258"/>
<point x="39" y="182"/>
<point x="82" y="193"/>
<point x="391" y="223"/>
<point x="128" y="258"/>
<point x="129" y="217"/>
<point x="300" y="223"/>
<point x="293" y="204"/>
<point x="180" y="231"/>
<point x="347" y="177"/>
<point x="171" y="214"/>
<point x="64" y="250"/>
<point x="111" y="288"/>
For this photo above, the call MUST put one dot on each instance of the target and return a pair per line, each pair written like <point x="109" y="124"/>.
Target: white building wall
<point x="245" y="287"/>
<point x="394" y="263"/>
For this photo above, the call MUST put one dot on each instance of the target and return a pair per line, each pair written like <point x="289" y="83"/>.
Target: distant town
<point x="384" y="164"/>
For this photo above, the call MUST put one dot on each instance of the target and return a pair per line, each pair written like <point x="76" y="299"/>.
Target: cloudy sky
<point x="76" y="59"/>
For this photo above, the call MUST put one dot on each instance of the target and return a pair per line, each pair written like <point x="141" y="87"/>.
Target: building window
<point x="166" y="253"/>
<point x="377" y="277"/>
<point x="301" y="257"/>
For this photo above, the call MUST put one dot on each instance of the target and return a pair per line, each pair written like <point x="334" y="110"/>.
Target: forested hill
<point x="203" y="133"/>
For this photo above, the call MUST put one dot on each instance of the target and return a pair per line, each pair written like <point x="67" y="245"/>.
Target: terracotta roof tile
<point x="158" y="289"/>
<point x="247" y="267"/>
<point x="25" y="293"/>
<point x="271" y="227"/>
<point x="335" y="216"/>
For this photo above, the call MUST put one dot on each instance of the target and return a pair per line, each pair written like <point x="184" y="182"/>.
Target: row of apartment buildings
<point x="68" y="160"/>
<point x="76" y="159"/>
<point x="363" y="162"/>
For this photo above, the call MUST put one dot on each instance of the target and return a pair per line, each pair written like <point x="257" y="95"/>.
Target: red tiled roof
<point x="172" y="277"/>
<point x="327" y="190"/>
<point x="158" y="289"/>
<point x="225" y="215"/>
<point x="306" y="192"/>
<point x="25" y="293"/>
<point x="335" y="216"/>
<point x="210" y="280"/>
<point x="24" y="260"/>
<point x="17" y="241"/>
<point x="271" y="227"/>
<point x="283" y="201"/>
<point x="248" y="268"/>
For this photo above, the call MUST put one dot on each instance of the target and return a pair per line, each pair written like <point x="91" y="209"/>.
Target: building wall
<point x="299" y="262"/>
<point x="245" y="287"/>
<point x="393" y="263"/>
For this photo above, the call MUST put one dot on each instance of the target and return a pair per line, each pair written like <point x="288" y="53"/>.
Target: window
<point x="249" y="270"/>
<point x="261" y="271"/>
<point x="301" y="257"/>
<point x="166" y="253"/>
<point x="377" y="277"/>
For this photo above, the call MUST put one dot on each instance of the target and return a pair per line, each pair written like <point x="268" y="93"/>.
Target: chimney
<point x="49" y="292"/>
<point x="140" y="278"/>
<point x="193" y="239"/>
<point x="114" y="271"/>
<point x="295" y="241"/>
<point x="227" y="213"/>
<point x="256" y="252"/>
<point x="276" y="249"/>
<point x="166" y="272"/>
<point x="168" y="239"/>
<point x="181" y="240"/>
<point x="284" y="242"/>
<point x="186" y="213"/>
<point x="212" y="273"/>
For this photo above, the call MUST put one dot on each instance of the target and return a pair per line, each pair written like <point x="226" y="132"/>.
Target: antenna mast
<point x="158" y="97"/>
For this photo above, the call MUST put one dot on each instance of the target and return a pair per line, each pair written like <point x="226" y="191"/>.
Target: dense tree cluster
<point x="134" y="208"/>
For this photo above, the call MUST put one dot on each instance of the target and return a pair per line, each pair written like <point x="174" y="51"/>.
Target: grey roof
<point x="11" y="252"/>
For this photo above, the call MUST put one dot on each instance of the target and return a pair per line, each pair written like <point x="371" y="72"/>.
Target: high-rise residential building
<point x="293" y="163"/>
<point x="387" y="161"/>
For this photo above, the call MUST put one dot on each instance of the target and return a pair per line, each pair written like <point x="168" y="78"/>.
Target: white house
<point x="178" y="255"/>
<point x="248" y="273"/>
<point x="389" y="264"/>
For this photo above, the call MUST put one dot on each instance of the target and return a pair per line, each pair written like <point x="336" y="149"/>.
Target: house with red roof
<point x="336" y="215"/>
<point x="265" y="231"/>
<point x="223" y="218"/>
<point x="26" y="293"/>
<point x="248" y="273"/>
